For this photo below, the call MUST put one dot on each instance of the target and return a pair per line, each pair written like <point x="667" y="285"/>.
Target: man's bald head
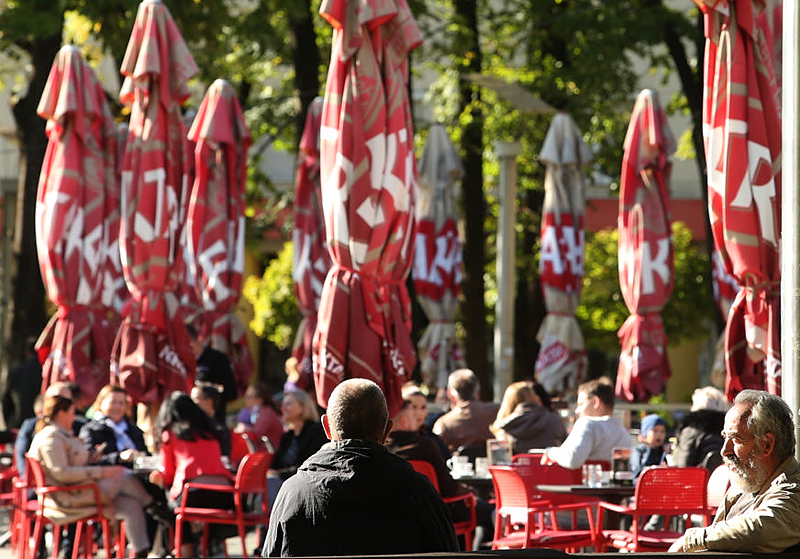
<point x="357" y="410"/>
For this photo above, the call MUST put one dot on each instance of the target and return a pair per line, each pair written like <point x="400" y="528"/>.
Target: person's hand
<point x="546" y="460"/>
<point x="676" y="547"/>
<point x="128" y="455"/>
<point x="97" y="452"/>
<point x="156" y="478"/>
<point x="113" y="471"/>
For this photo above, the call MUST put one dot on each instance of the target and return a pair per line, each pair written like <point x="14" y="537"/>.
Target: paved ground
<point x="233" y="544"/>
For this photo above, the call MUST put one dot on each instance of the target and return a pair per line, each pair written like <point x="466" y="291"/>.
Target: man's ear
<point x="389" y="426"/>
<point x="326" y="426"/>
<point x="768" y="444"/>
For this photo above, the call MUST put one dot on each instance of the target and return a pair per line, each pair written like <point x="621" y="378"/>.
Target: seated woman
<point x="304" y="434"/>
<point x="64" y="459"/>
<point x="417" y="402"/>
<point x="207" y="398"/>
<point x="407" y="441"/>
<point x="190" y="451"/>
<point x="526" y="420"/>
<point x="119" y="438"/>
<point x="260" y="415"/>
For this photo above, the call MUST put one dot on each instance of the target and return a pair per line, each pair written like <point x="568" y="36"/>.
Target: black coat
<point x="700" y="439"/>
<point x="294" y="449"/>
<point x="214" y="367"/>
<point x="356" y="498"/>
<point x="97" y="432"/>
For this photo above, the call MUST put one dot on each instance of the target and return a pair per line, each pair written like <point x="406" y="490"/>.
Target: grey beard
<point x="748" y="475"/>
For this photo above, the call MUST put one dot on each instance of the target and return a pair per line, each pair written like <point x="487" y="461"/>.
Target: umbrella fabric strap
<point x="64" y="311"/>
<point x="772" y="288"/>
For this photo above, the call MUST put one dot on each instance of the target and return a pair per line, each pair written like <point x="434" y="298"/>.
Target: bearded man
<point x="761" y="510"/>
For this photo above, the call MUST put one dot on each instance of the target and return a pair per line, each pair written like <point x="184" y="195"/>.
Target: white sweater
<point x="591" y="438"/>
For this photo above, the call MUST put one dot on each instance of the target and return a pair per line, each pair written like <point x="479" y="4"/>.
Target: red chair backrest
<point x="251" y="476"/>
<point x="510" y="489"/>
<point x="427" y="469"/>
<point x="240" y="447"/>
<point x="665" y="490"/>
<point x="718" y="485"/>
<point x="34" y="473"/>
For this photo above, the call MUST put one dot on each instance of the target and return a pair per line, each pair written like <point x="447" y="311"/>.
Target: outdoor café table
<point x="481" y="485"/>
<point x="610" y="493"/>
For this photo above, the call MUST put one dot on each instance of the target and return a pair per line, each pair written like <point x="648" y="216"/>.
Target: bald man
<point x="354" y="497"/>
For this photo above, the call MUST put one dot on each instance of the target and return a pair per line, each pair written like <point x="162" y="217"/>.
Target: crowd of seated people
<point x="102" y="445"/>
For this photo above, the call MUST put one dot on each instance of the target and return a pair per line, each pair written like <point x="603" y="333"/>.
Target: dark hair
<point x="261" y="390"/>
<point x="600" y="387"/>
<point x="52" y="405"/>
<point x="464" y="383"/>
<point x="544" y="397"/>
<point x="181" y="415"/>
<point x="209" y="393"/>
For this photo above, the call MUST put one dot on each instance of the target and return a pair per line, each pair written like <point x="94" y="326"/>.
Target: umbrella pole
<point x="790" y="214"/>
<point x="507" y="153"/>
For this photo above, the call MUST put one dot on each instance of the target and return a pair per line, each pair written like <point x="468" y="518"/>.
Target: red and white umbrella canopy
<point x="310" y="258"/>
<point x="76" y="181"/>
<point x="437" y="257"/>
<point x="215" y="220"/>
<point x="152" y="350"/>
<point x="645" y="250"/>
<point x="742" y="128"/>
<point x="562" y="355"/>
<point x="369" y="182"/>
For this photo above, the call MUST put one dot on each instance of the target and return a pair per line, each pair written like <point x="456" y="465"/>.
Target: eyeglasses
<point x="733" y="436"/>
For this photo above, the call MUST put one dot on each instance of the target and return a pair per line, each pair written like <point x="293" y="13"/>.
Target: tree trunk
<point x="529" y="309"/>
<point x="28" y="300"/>
<point x="474" y="207"/>
<point x="306" y="65"/>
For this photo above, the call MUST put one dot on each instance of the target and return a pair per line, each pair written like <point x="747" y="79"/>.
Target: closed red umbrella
<point x="562" y="354"/>
<point x="152" y="351"/>
<point x="437" y="258"/>
<point x="368" y="174"/>
<point x="310" y="259"/>
<point x="76" y="182"/>
<point x="215" y="220"/>
<point x="743" y="149"/>
<point x="645" y="250"/>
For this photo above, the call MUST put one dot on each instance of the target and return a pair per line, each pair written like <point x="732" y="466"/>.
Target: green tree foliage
<point x="272" y="295"/>
<point x="602" y="309"/>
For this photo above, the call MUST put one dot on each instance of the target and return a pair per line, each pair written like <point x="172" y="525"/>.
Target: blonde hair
<point x="709" y="398"/>
<point x="516" y="393"/>
<point x="105" y="391"/>
<point x="309" y="406"/>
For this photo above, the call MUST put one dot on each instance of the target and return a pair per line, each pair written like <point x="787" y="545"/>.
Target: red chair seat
<point x="251" y="478"/>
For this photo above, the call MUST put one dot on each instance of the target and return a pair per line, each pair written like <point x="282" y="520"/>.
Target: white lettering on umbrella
<point x="445" y="259"/>
<point x="141" y="227"/>
<point x="213" y="269"/>
<point x="302" y="255"/>
<point x="574" y="241"/>
<point x="762" y="194"/>
<point x="652" y="267"/>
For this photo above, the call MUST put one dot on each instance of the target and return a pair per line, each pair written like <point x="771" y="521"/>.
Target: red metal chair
<point x="251" y="479"/>
<point x="517" y="510"/>
<point x="534" y="473"/>
<point x="84" y="526"/>
<point x="663" y="491"/>
<point x="464" y="528"/>
<point x="241" y="446"/>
